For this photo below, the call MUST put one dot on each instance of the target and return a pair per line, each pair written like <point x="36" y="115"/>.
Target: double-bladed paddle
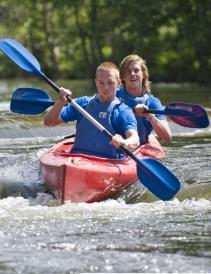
<point x="35" y="101"/>
<point x="155" y="176"/>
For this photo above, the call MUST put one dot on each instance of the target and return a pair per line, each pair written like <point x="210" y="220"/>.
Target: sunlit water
<point x="134" y="233"/>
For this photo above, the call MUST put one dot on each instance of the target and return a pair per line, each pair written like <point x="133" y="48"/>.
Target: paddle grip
<point x="54" y="86"/>
<point x="154" y="111"/>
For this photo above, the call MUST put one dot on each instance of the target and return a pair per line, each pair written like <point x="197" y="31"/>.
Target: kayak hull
<point x="82" y="178"/>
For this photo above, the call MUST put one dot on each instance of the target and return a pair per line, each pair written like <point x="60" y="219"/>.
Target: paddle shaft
<point x="176" y="112"/>
<point x="155" y="111"/>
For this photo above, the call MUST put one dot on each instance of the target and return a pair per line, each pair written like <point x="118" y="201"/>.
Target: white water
<point x="106" y="237"/>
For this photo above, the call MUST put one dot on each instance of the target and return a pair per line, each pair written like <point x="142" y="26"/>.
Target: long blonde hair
<point x="126" y="62"/>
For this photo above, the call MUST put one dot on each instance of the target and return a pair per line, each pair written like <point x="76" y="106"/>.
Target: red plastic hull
<point x="81" y="178"/>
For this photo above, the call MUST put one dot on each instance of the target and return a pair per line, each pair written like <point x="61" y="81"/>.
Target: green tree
<point x="71" y="38"/>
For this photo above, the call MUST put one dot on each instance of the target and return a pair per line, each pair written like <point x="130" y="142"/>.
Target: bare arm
<point x="131" y="142"/>
<point x="160" y="127"/>
<point x="52" y="117"/>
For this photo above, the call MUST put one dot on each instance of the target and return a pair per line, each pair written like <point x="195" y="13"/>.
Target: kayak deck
<point x="83" y="178"/>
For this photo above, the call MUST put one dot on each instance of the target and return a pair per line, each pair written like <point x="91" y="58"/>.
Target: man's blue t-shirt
<point x="122" y="117"/>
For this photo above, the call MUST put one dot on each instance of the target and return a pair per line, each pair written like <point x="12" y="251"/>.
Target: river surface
<point x="130" y="234"/>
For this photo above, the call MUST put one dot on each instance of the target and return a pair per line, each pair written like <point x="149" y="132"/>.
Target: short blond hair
<point x="127" y="61"/>
<point x="109" y="66"/>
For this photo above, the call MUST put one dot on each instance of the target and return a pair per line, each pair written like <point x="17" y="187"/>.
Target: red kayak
<point x="83" y="178"/>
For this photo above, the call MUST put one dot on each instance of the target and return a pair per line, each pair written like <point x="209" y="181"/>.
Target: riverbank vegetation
<point x="70" y="38"/>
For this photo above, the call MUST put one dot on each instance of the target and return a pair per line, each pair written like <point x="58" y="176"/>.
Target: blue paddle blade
<point x="155" y="176"/>
<point x="158" y="178"/>
<point x="188" y="115"/>
<point x="184" y="114"/>
<point x="19" y="55"/>
<point x="30" y="101"/>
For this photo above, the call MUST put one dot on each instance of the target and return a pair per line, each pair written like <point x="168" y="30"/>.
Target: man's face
<point x="106" y="83"/>
<point x="133" y="77"/>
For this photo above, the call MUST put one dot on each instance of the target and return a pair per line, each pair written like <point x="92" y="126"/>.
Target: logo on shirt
<point x="102" y="115"/>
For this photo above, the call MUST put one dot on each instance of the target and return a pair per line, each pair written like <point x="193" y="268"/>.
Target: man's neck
<point x="104" y="101"/>
<point x="135" y="92"/>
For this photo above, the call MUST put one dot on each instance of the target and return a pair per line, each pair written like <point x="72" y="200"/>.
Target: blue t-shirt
<point x="152" y="102"/>
<point x="122" y="118"/>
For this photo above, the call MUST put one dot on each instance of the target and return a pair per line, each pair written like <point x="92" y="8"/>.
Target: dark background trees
<point x="70" y="38"/>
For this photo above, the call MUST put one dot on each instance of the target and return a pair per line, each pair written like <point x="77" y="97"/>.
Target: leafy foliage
<point x="71" y="38"/>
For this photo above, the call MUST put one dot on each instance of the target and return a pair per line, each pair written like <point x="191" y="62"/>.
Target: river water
<point x="134" y="233"/>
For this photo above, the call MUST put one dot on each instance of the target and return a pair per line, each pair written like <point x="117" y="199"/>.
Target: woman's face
<point x="133" y="77"/>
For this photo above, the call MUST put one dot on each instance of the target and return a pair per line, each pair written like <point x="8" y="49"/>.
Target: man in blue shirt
<point x="106" y="108"/>
<point x="135" y="92"/>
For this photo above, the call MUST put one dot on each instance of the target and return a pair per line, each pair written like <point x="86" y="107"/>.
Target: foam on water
<point x="109" y="236"/>
<point x="4" y="106"/>
<point x="119" y="209"/>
